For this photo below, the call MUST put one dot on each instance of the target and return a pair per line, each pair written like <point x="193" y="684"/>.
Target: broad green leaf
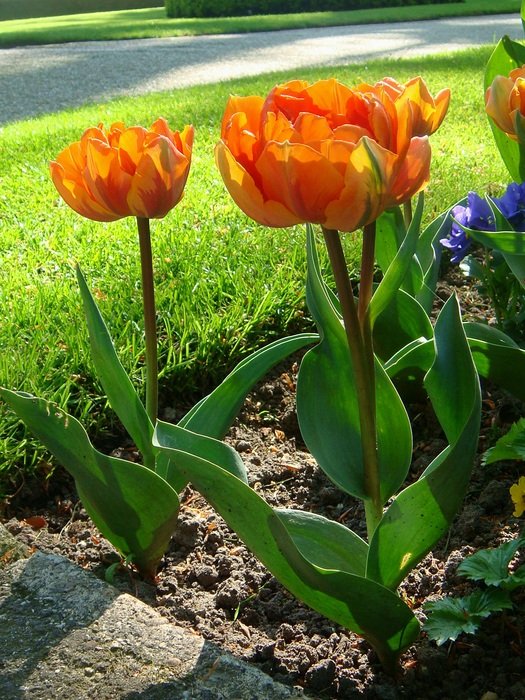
<point x="398" y="270"/>
<point x="327" y="405"/>
<point x="184" y="440"/>
<point x="507" y="242"/>
<point x="509" y="446"/>
<point x="401" y="322"/>
<point x="423" y="511"/>
<point x="502" y="364"/>
<point x="131" y="505"/>
<point x="119" y="389"/>
<point x="354" y="602"/>
<point x="492" y="565"/>
<point x="329" y="544"/>
<point x="506" y="56"/>
<point x="214" y="415"/>
<point x="390" y="232"/>
<point x="450" y="617"/>
<point x="495" y="356"/>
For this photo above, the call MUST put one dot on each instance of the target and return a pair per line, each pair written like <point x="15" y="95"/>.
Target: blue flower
<point x="512" y="205"/>
<point x="476" y="215"/>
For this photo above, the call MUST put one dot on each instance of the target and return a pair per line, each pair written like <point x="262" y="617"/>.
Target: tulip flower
<point x="108" y="175"/>
<point x="505" y="103"/>
<point x="324" y="153"/>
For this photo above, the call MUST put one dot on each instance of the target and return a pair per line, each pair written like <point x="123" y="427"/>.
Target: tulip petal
<point x="414" y="172"/>
<point x="247" y="196"/>
<point x="77" y="197"/>
<point x="299" y="177"/>
<point x="159" y="180"/>
<point x="105" y="179"/>
<point x="497" y="100"/>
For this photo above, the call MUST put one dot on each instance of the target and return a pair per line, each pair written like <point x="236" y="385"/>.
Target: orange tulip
<point x="108" y="175"/>
<point x="505" y="103"/>
<point x="324" y="153"/>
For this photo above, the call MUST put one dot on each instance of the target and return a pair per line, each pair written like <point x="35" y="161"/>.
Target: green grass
<point x="224" y="284"/>
<point x="134" y="24"/>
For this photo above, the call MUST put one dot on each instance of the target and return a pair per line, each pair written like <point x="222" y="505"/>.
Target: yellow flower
<point x="517" y="492"/>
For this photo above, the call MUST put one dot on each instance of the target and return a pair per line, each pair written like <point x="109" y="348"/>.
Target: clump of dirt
<point x="210" y="583"/>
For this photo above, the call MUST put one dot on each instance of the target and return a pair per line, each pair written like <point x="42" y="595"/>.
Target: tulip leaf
<point x="131" y="505"/>
<point x="497" y="357"/>
<point x="506" y="56"/>
<point x="330" y="544"/>
<point x="215" y="413"/>
<point x="327" y="404"/>
<point x="423" y="511"/>
<point x="395" y="275"/>
<point x="291" y="548"/>
<point x="119" y="389"/>
<point x="401" y="322"/>
<point x="390" y="232"/>
<point x="209" y="449"/>
<point x="429" y="255"/>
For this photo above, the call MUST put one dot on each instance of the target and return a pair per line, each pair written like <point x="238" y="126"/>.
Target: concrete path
<point x="45" y="79"/>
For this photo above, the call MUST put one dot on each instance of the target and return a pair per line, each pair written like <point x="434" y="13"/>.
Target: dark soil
<point x="210" y="583"/>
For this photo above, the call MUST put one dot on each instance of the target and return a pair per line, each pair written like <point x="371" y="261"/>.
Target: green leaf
<point x="450" y="617"/>
<point x="329" y="544"/>
<point x="423" y="511"/>
<point x="214" y="415"/>
<point x="506" y="241"/>
<point x="390" y="232"/>
<point x="429" y="255"/>
<point x="184" y="440"/>
<point x="398" y="270"/>
<point x="119" y="389"/>
<point x="492" y="565"/>
<point x="509" y="446"/>
<point x="401" y="322"/>
<point x="506" y="56"/>
<point x="327" y="405"/>
<point x="131" y="505"/>
<point x="501" y="362"/>
<point x="296" y="557"/>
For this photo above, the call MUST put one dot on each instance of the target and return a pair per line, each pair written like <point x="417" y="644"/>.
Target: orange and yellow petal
<point x="78" y="198"/>
<point x="497" y="103"/>
<point x="247" y="196"/>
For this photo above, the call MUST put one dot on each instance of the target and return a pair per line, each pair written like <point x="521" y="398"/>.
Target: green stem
<point x="150" y="324"/>
<point x="407" y="213"/>
<point x="359" y="340"/>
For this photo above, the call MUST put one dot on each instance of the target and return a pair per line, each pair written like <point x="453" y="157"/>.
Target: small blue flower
<point x="512" y="205"/>
<point x="476" y="215"/>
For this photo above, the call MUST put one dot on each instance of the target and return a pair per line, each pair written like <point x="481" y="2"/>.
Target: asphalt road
<point x="45" y="79"/>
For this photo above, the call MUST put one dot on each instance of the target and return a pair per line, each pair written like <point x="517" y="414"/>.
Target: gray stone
<point x="64" y="633"/>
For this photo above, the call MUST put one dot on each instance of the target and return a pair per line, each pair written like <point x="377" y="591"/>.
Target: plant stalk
<point x="150" y="323"/>
<point x="359" y="338"/>
<point x="407" y="213"/>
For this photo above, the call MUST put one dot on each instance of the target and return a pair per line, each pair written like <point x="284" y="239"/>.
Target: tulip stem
<point x="359" y="338"/>
<point x="407" y="213"/>
<point x="150" y="324"/>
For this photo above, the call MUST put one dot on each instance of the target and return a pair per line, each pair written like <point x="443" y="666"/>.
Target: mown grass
<point x="152" y="22"/>
<point x="224" y="284"/>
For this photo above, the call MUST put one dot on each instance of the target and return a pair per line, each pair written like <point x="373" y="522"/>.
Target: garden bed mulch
<point x="210" y="583"/>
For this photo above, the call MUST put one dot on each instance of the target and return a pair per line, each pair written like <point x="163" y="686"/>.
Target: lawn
<point x="225" y="285"/>
<point x="152" y="22"/>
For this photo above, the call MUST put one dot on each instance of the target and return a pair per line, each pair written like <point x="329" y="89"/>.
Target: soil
<point x="210" y="583"/>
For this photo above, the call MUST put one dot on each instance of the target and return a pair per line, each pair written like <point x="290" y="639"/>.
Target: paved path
<point x="42" y="79"/>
